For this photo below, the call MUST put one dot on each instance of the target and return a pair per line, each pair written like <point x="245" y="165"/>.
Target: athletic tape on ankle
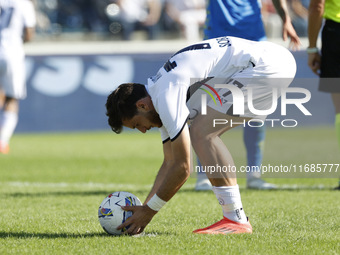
<point x="156" y="203"/>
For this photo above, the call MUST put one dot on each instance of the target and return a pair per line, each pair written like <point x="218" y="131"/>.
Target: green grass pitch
<point x="52" y="185"/>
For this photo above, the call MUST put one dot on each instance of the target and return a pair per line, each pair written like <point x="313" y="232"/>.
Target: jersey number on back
<point x="168" y="66"/>
<point x="5" y="17"/>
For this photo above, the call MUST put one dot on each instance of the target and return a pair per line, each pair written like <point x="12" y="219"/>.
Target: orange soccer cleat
<point x="4" y="148"/>
<point x="225" y="227"/>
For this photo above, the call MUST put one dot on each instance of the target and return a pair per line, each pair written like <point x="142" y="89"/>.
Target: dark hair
<point x="121" y="104"/>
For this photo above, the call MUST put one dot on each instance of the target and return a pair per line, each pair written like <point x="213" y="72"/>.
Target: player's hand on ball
<point x="141" y="217"/>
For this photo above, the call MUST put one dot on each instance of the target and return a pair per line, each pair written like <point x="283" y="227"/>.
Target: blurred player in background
<point x="189" y="14"/>
<point x="299" y="14"/>
<point x="243" y="19"/>
<point x="142" y="13"/>
<point x="327" y="65"/>
<point x="17" y="22"/>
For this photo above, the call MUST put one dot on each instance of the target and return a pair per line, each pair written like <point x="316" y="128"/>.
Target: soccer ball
<point x="110" y="213"/>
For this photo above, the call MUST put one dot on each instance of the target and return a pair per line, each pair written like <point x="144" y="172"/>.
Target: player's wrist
<point x="156" y="203"/>
<point x="312" y="50"/>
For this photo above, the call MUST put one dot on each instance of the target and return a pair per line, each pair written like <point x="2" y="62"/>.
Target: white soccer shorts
<point x="12" y="77"/>
<point x="260" y="82"/>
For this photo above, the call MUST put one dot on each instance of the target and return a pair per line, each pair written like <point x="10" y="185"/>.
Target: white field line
<point x="129" y="186"/>
<point x="116" y="186"/>
<point x="75" y="185"/>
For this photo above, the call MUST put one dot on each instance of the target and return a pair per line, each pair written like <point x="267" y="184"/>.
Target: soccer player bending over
<point x="173" y="96"/>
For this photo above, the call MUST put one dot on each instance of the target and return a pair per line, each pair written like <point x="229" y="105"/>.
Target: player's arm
<point x="167" y="151"/>
<point x="29" y="22"/>
<point x="179" y="168"/>
<point x="177" y="173"/>
<point x="155" y="10"/>
<point x="28" y="34"/>
<point x="287" y="28"/>
<point x="172" y="11"/>
<point x="316" y="9"/>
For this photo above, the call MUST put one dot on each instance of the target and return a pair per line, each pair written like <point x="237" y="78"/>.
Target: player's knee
<point x="11" y="104"/>
<point x="199" y="137"/>
<point x="195" y="133"/>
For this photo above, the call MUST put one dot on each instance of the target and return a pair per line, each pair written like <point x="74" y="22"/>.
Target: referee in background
<point x="326" y="64"/>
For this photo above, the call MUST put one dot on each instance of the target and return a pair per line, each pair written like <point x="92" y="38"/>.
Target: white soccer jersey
<point x="222" y="57"/>
<point x="15" y="15"/>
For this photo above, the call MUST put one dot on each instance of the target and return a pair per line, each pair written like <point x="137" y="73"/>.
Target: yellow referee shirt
<point x="332" y="10"/>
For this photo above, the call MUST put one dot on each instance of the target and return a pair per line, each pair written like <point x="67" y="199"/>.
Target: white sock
<point x="8" y="124"/>
<point x="229" y="198"/>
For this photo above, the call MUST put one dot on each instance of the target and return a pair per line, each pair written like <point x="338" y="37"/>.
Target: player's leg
<point x="13" y="85"/>
<point x="210" y="148"/>
<point x="8" y="123"/>
<point x="2" y="103"/>
<point x="214" y="154"/>
<point x="2" y="98"/>
<point x="254" y="138"/>
<point x="330" y="62"/>
<point x="202" y="182"/>
<point x="3" y="70"/>
<point x="336" y="102"/>
<point x="277" y="77"/>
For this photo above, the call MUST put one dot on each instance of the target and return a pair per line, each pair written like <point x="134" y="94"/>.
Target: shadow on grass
<point x="145" y="192"/>
<point x="48" y="235"/>
<point x="279" y="188"/>
<point x="103" y="193"/>
<point x="30" y="235"/>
